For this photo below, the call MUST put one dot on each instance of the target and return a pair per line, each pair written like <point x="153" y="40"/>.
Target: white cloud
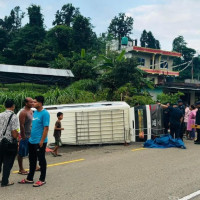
<point x="2" y="7"/>
<point x="169" y="20"/>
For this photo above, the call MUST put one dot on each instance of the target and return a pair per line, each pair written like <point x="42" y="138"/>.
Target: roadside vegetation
<point x="71" y="43"/>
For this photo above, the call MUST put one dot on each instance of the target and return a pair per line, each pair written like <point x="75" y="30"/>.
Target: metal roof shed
<point x="17" y="74"/>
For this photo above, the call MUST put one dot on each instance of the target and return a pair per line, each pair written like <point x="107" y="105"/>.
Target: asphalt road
<point x="114" y="172"/>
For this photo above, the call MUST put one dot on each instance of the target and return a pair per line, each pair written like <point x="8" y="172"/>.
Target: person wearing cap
<point x="175" y="119"/>
<point x="182" y="109"/>
<point x="197" y="122"/>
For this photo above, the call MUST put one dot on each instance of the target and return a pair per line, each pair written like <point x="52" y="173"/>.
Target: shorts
<point x="58" y="141"/>
<point x="23" y="148"/>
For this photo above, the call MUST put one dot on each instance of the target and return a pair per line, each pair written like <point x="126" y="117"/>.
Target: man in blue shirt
<point x="38" y="142"/>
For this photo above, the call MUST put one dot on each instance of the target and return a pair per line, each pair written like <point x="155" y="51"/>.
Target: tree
<point x="42" y="55"/>
<point x="24" y="42"/>
<point x="61" y="39"/>
<point x="143" y="39"/>
<point x="110" y="61"/>
<point x="82" y="66"/>
<point x="157" y="44"/>
<point x="3" y="39"/>
<point x="148" y="40"/>
<point x="21" y="48"/>
<point x="116" y="71"/>
<point x="60" y="63"/>
<point x="66" y="15"/>
<point x="83" y="69"/>
<point x="172" y="98"/>
<point x="196" y="64"/>
<point x="35" y="16"/>
<point x="83" y="35"/>
<point x="129" y="94"/>
<point x="120" y="26"/>
<point x="180" y="45"/>
<point x="12" y="22"/>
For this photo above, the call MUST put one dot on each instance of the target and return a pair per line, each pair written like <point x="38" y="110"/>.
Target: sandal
<point x="23" y="173"/>
<point x="9" y="184"/>
<point x="25" y="181"/>
<point x="39" y="183"/>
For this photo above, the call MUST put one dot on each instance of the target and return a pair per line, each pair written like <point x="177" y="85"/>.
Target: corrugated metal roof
<point x="184" y="88"/>
<point x="35" y="70"/>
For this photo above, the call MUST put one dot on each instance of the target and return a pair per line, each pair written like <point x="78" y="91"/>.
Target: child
<point x="57" y="134"/>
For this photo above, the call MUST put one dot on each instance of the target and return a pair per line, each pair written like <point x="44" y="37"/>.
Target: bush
<point x="17" y="96"/>
<point x="85" y="84"/>
<point x="128" y="93"/>
<point x="144" y="99"/>
<point x="171" y="98"/>
<point x="2" y="108"/>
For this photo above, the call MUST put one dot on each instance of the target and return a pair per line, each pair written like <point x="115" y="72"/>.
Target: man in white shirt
<point x="10" y="125"/>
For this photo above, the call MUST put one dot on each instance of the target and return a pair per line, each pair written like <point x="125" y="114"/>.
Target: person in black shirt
<point x="182" y="109"/>
<point x="175" y="120"/>
<point x="197" y="122"/>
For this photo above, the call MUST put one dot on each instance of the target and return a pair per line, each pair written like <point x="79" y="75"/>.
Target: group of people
<point x="34" y="127"/>
<point x="32" y="139"/>
<point x="181" y="119"/>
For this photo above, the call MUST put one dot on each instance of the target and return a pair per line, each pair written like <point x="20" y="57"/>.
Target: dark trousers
<point x="166" y="127"/>
<point x="182" y="130"/>
<point x="7" y="160"/>
<point x="37" y="153"/>
<point x="175" y="130"/>
<point x="198" y="135"/>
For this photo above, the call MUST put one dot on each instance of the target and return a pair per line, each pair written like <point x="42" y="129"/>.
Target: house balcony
<point x="160" y="71"/>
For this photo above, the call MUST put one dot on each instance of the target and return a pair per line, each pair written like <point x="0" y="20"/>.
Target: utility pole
<point x="192" y="71"/>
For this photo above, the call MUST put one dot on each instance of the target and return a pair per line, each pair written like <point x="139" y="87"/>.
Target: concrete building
<point x="159" y="67"/>
<point x="156" y="62"/>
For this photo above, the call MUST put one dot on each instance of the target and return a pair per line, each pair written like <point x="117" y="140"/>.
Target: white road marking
<point x="190" y="196"/>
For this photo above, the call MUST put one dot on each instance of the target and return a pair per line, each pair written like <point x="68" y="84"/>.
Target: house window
<point x="152" y="65"/>
<point x="141" y="61"/>
<point x="164" y="65"/>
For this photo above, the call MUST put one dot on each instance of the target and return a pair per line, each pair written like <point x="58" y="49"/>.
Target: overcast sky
<point x="166" y="19"/>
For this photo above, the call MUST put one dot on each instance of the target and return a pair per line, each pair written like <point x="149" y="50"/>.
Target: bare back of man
<point x="25" y="119"/>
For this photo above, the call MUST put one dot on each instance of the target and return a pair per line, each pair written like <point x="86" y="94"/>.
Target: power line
<point x="180" y="64"/>
<point x="186" y="66"/>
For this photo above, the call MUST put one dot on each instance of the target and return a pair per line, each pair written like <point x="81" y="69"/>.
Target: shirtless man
<point x="25" y="120"/>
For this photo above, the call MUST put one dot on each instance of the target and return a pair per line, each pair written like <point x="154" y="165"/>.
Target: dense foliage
<point x="72" y="44"/>
<point x="120" y="26"/>
<point x="169" y="98"/>
<point x="188" y="54"/>
<point x="148" y="40"/>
